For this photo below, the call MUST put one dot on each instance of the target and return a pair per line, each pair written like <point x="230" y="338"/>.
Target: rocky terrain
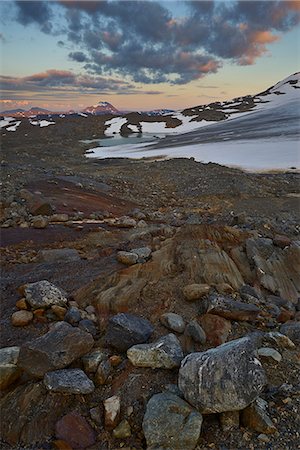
<point x="145" y="304"/>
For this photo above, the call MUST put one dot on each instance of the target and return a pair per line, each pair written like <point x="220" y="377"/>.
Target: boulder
<point x="56" y="349"/>
<point x="173" y="322"/>
<point x="232" y="309"/>
<point x="68" y="381"/>
<point x="225" y="378"/>
<point x="43" y="294"/>
<point x="75" y="430"/>
<point x="292" y="330"/>
<point x="9" y="372"/>
<point x="125" y="330"/>
<point x="171" y="423"/>
<point x="166" y="353"/>
<point x="255" y="416"/>
<point x="194" y="292"/>
<point x="127" y="258"/>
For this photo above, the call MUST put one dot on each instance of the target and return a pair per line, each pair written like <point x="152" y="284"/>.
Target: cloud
<point x="2" y="38"/>
<point x="145" y="42"/>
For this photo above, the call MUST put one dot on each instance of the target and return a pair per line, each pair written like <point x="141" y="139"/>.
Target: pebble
<point x="112" y="408"/>
<point x="21" y="318"/>
<point x="123" y="430"/>
<point x="194" y="292"/>
<point x="92" y="360"/>
<point x="72" y="316"/>
<point x="103" y="372"/>
<point x="127" y="258"/>
<point x="173" y="321"/>
<point x="21" y="304"/>
<point x="40" y="222"/>
<point x="75" y="430"/>
<point x="268" y="352"/>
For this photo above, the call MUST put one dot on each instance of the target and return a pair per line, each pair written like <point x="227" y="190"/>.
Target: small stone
<point x="230" y="420"/>
<point x="194" y="292"/>
<point x="196" y="332"/>
<point x="255" y="416"/>
<point x="125" y="222"/>
<point x="166" y="353"/>
<point x="173" y="321"/>
<point x="88" y="326"/>
<point x="21" y="304"/>
<point x="92" y="360"/>
<point x="127" y="258"/>
<point x="43" y="294"/>
<point x="115" y="360"/>
<point x="90" y="309"/>
<point x="112" y="408"/>
<point x="143" y="253"/>
<point x="103" y="372"/>
<point x="59" y="217"/>
<point x="95" y="414"/>
<point x="279" y="339"/>
<point x="224" y="288"/>
<point x="40" y="222"/>
<point x="285" y="315"/>
<point x="281" y="241"/>
<point x="75" y="430"/>
<point x="59" y="311"/>
<point x="72" y="316"/>
<point x="263" y="438"/>
<point x="21" y="318"/>
<point x="268" y="352"/>
<point x="68" y="381"/>
<point x="123" y="430"/>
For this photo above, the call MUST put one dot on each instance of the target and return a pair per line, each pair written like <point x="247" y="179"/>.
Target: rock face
<point x="9" y="372"/>
<point x="54" y="350"/>
<point x="75" y="430"/>
<point x="68" y="381"/>
<point x="291" y="330"/>
<point x="173" y="321"/>
<point x="166" y="353"/>
<point x="171" y="423"/>
<point x="232" y="309"/>
<point x="125" y="330"/>
<point x="44" y="294"/>
<point x="226" y="378"/>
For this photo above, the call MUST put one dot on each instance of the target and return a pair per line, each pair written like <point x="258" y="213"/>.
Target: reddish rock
<point x="281" y="241"/>
<point x="115" y="360"/>
<point x="75" y="431"/>
<point x="59" y="311"/>
<point x="285" y="315"/>
<point x="21" y="318"/>
<point x="21" y="304"/>
<point x="194" y="292"/>
<point x="216" y="328"/>
<point x="61" y="445"/>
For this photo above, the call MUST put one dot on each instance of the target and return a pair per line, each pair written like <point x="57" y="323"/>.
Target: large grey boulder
<point x="166" y="353"/>
<point x="225" y="378"/>
<point x="43" y="294"/>
<point x="56" y="349"/>
<point x="68" y="381"/>
<point x="125" y="330"/>
<point x="170" y="423"/>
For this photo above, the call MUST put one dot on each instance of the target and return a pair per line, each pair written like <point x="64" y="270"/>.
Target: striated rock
<point x="43" y="294"/>
<point x="232" y="309"/>
<point x="226" y="378"/>
<point x="230" y="420"/>
<point x="194" y="292"/>
<point x="103" y="372"/>
<point x="54" y="350"/>
<point x="217" y="329"/>
<point x="29" y="414"/>
<point x="292" y="330"/>
<point x="57" y="255"/>
<point x="21" y="318"/>
<point x="72" y="315"/>
<point x="92" y="360"/>
<point x="9" y="372"/>
<point x="75" y="430"/>
<point x="173" y="321"/>
<point x="125" y="330"/>
<point x="112" y="408"/>
<point x="123" y="430"/>
<point x="166" y="353"/>
<point x="68" y="381"/>
<point x="127" y="258"/>
<point x="255" y="416"/>
<point x="171" y="423"/>
<point x="267" y="352"/>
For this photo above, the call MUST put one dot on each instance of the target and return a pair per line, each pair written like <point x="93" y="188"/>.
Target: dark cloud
<point x="144" y="42"/>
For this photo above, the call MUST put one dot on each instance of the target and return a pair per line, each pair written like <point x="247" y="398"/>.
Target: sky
<point x="143" y="55"/>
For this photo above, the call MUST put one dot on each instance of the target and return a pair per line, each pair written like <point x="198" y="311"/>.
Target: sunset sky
<point x="143" y="54"/>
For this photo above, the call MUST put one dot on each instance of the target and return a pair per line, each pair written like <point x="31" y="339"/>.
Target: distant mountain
<point x="101" y="108"/>
<point x="34" y="111"/>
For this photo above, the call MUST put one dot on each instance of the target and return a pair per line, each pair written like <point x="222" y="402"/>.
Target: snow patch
<point x="115" y="125"/>
<point x="41" y="123"/>
<point x="14" y="126"/>
<point x="6" y="121"/>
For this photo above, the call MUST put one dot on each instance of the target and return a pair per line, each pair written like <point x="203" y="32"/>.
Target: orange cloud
<point x="264" y="37"/>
